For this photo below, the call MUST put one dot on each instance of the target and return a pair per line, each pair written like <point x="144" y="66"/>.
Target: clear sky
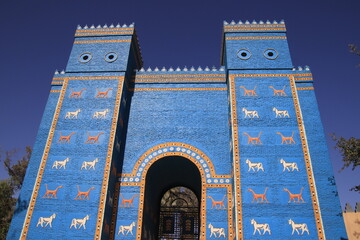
<point x="36" y="39"/>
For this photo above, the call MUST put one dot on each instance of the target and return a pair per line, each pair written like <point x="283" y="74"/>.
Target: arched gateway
<point x="167" y="207"/>
<point x="167" y="169"/>
<point x="231" y="153"/>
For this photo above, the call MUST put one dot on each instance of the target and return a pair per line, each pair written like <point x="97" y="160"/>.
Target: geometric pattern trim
<point x="307" y="157"/>
<point x="203" y="163"/>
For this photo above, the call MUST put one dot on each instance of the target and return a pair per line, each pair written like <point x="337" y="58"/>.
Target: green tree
<point x="350" y="152"/>
<point x="354" y="49"/>
<point x="9" y="188"/>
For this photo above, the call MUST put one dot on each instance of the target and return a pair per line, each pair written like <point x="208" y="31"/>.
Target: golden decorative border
<point x="114" y="211"/>
<point x="236" y="157"/>
<point x="307" y="157"/>
<point x="251" y="25"/>
<point x="179" y="76"/>
<point x="181" y="154"/>
<point x="94" y="78"/>
<point x="57" y="82"/>
<point x="181" y="80"/>
<point x="55" y="91"/>
<point x="253" y="29"/>
<point x="272" y="75"/>
<point x="297" y="75"/>
<point x="105" y="180"/>
<point x="177" y="89"/>
<point x="44" y="158"/>
<point x="104" y="41"/>
<point x="304" y="79"/>
<point x="143" y="183"/>
<point x="305" y="88"/>
<point x="239" y="38"/>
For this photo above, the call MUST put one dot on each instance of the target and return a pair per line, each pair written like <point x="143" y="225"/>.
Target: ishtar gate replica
<point x="232" y="153"/>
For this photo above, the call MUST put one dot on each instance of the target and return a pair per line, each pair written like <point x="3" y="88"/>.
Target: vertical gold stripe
<point x="114" y="211"/>
<point x="307" y="157"/>
<point x="236" y="159"/>
<point x="230" y="213"/>
<point x="105" y="181"/>
<point x="44" y="158"/>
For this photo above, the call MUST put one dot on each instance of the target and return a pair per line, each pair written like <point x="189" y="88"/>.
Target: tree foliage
<point x="350" y="152"/>
<point x="10" y="187"/>
<point x="354" y="49"/>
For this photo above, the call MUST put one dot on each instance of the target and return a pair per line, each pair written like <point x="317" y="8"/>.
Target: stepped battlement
<point x="105" y="30"/>
<point x="300" y="68"/>
<point x="178" y="69"/>
<point x="254" y="26"/>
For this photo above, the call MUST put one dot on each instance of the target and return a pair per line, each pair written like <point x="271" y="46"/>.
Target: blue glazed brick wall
<point x="200" y="120"/>
<point x="330" y="205"/>
<point x="257" y="47"/>
<point x="98" y="52"/>
<point x="251" y="129"/>
<point x="68" y="205"/>
<point x="276" y="209"/>
<point x="29" y="181"/>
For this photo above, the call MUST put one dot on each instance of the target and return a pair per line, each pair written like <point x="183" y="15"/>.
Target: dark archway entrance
<point x="164" y="175"/>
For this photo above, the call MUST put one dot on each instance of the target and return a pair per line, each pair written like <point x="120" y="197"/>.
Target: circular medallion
<point x="270" y="54"/>
<point x="244" y="54"/>
<point x="85" y="57"/>
<point x="111" y="57"/>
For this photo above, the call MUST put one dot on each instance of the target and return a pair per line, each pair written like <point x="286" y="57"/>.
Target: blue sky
<point x="36" y="39"/>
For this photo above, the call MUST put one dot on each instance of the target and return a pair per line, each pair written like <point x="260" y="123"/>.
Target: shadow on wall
<point x="21" y="206"/>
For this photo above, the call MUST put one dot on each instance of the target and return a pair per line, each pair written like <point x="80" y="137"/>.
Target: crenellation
<point x="254" y="22"/>
<point x="178" y="69"/>
<point x="105" y="26"/>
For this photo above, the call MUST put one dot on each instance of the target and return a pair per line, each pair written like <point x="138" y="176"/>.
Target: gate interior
<point x="179" y="214"/>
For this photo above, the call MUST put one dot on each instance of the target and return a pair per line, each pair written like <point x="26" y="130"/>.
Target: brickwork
<point x="251" y="129"/>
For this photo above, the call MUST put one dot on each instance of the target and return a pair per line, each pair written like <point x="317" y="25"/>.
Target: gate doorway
<point x="179" y="214"/>
<point x="172" y="200"/>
